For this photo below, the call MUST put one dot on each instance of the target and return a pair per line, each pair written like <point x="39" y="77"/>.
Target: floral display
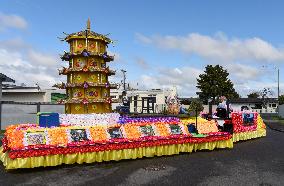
<point x="32" y="136"/>
<point x="148" y="120"/>
<point x="89" y="119"/>
<point x="113" y="146"/>
<point x="260" y="123"/>
<point x="132" y="131"/>
<point x="58" y="136"/>
<point x="14" y="137"/>
<point x="162" y="129"/>
<point x="98" y="133"/>
<point x="242" y="124"/>
<point x="203" y="126"/>
<point x="31" y="140"/>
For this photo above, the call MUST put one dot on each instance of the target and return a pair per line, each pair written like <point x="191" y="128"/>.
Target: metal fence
<point x="24" y="112"/>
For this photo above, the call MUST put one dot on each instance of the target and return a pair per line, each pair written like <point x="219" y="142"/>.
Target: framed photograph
<point x="248" y="119"/>
<point x="36" y="138"/>
<point x="175" y="129"/>
<point x="78" y="135"/>
<point x="115" y="132"/>
<point x="147" y="130"/>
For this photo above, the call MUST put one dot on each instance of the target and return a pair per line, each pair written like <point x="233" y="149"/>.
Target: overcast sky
<point x="159" y="43"/>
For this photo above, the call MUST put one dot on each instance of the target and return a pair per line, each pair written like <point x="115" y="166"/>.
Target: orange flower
<point x="98" y="133"/>
<point x="162" y="129"/>
<point x="132" y="131"/>
<point x="15" y="137"/>
<point x="58" y="136"/>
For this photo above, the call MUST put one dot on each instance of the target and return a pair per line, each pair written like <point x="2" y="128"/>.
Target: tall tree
<point x="281" y="100"/>
<point x="264" y="94"/>
<point x="254" y="95"/>
<point x="215" y="83"/>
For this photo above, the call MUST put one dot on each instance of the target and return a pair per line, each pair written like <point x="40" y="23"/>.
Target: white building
<point x="27" y="94"/>
<point x="144" y="101"/>
<point x="252" y="104"/>
<point x="255" y="104"/>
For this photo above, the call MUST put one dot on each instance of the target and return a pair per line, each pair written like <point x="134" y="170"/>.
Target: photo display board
<point x="248" y="119"/>
<point x="78" y="135"/>
<point x="115" y="132"/>
<point x="147" y="130"/>
<point x="36" y="138"/>
<point x="175" y="129"/>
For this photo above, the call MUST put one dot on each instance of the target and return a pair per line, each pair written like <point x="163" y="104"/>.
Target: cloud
<point x="41" y="58"/>
<point x="27" y="65"/>
<point x="218" y="47"/>
<point x="183" y="78"/>
<point x="243" y="72"/>
<point x="256" y="86"/>
<point x="142" y="63"/>
<point x="12" y="21"/>
<point x="143" y="39"/>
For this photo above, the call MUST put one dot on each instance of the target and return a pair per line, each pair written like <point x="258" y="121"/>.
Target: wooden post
<point x="0" y="103"/>
<point x="0" y="114"/>
<point x="196" y="120"/>
<point x="38" y="107"/>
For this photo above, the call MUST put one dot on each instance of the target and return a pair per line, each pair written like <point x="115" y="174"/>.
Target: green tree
<point x="281" y="100"/>
<point x="195" y="107"/>
<point x="253" y="95"/>
<point x="264" y="94"/>
<point x="215" y="83"/>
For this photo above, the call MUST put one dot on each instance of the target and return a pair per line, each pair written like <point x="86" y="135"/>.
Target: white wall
<point x="24" y="96"/>
<point x="281" y="111"/>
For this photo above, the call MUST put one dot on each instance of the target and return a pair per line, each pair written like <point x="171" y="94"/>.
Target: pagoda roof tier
<point x="86" y="100"/>
<point x="85" y="85"/>
<point x="87" y="34"/>
<point x="65" y="71"/>
<point x="68" y="56"/>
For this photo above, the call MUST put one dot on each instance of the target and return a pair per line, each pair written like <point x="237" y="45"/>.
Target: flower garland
<point x="116" y="144"/>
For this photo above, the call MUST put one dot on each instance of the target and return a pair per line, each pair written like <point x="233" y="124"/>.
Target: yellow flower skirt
<point x="249" y="135"/>
<point x="90" y="157"/>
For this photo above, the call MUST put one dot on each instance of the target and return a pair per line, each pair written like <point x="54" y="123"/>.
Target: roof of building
<point x="187" y="101"/>
<point x="87" y="33"/>
<point x="5" y="78"/>
<point x="253" y="100"/>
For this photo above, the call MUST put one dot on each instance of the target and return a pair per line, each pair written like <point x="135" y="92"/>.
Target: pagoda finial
<point x="89" y="25"/>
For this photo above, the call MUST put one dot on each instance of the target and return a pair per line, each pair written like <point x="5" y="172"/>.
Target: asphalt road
<point x="255" y="162"/>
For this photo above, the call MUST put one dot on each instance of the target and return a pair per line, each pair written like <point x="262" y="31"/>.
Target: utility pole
<point x="124" y="78"/>
<point x="278" y="84"/>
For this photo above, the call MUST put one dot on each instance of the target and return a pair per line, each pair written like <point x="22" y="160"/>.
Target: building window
<point x="274" y="105"/>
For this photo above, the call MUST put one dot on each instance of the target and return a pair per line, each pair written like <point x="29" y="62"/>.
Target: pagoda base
<point x="91" y="157"/>
<point x="80" y="108"/>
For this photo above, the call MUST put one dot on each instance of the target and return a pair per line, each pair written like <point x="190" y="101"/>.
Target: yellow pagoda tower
<point x="87" y="87"/>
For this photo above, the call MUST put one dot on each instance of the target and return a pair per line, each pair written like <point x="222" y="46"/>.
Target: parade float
<point x="89" y="132"/>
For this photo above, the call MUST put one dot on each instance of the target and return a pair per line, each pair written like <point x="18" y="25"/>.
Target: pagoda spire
<point x="89" y="25"/>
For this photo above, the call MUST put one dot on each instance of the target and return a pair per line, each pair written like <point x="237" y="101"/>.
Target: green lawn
<point x="281" y="120"/>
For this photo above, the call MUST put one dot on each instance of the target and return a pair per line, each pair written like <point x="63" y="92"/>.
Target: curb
<point x="272" y="128"/>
